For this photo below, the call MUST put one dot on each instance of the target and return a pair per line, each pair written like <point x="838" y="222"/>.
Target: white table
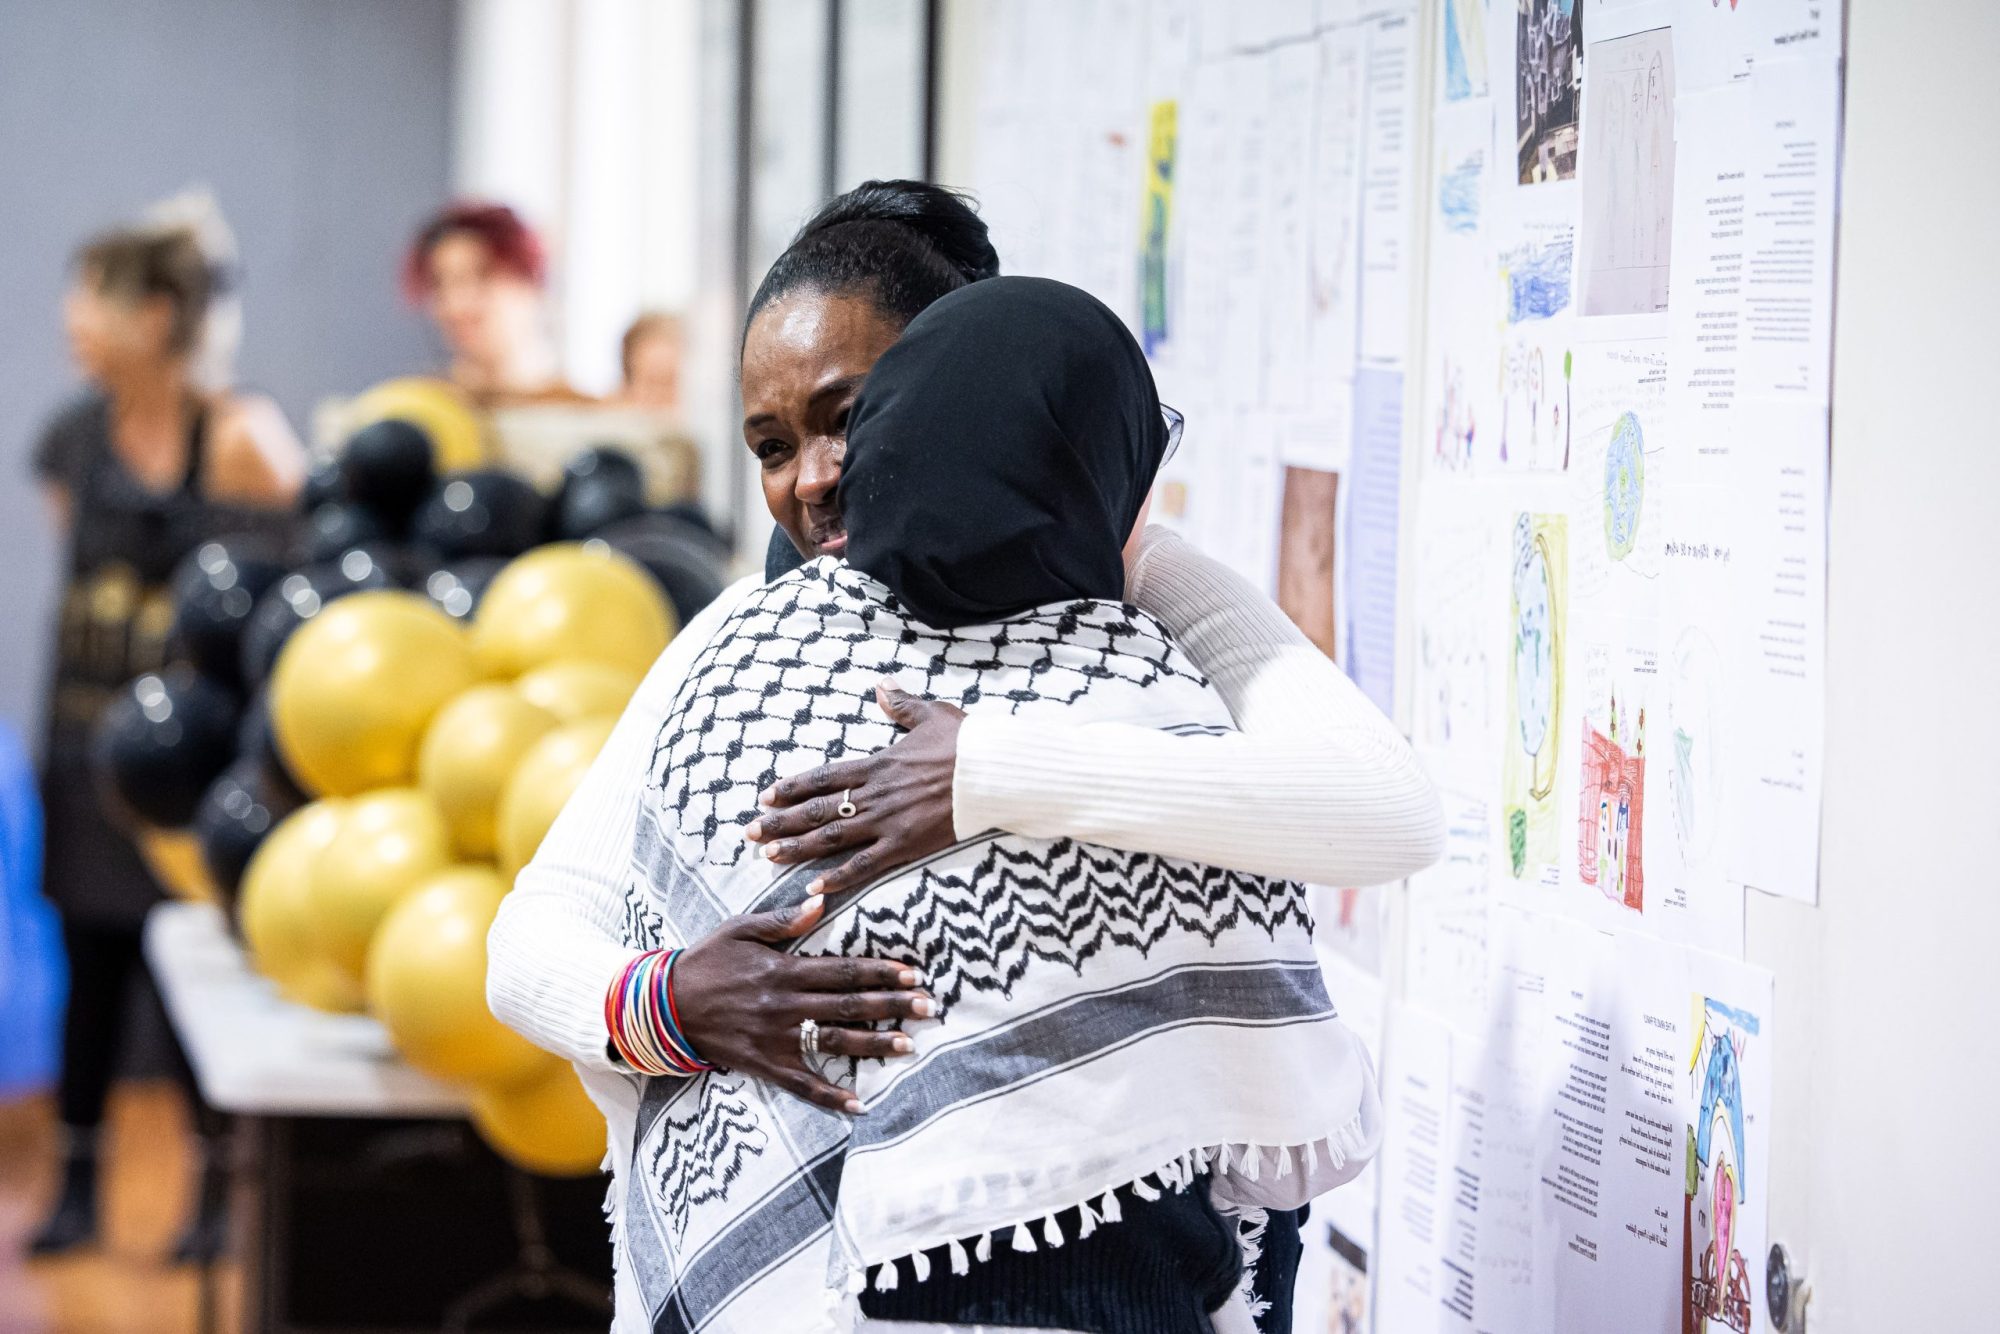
<point x="291" y="1075"/>
<point x="257" y="1054"/>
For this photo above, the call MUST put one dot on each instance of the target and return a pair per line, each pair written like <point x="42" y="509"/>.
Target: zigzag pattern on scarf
<point x="1061" y="903"/>
<point x="794" y="669"/>
<point x="693" y="1170"/>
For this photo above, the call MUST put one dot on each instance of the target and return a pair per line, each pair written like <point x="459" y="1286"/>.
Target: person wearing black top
<point x="141" y="468"/>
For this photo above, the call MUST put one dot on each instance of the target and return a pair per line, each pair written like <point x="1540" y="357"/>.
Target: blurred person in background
<point x="154" y="457"/>
<point x="650" y="355"/>
<point x="481" y="274"/>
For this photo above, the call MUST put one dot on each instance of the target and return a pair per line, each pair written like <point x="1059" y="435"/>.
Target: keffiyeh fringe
<point x="1252" y="1162"/>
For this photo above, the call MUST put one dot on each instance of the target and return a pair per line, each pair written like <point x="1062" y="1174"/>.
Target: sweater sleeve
<point x="555" y="946"/>
<point x="1317" y="784"/>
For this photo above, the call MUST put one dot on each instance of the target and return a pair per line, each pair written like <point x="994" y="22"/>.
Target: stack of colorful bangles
<point x="645" y="1028"/>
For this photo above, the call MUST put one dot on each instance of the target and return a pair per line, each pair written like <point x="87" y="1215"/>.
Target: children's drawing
<point x="1548" y="83"/>
<point x="1459" y="188"/>
<point x="1611" y="819"/>
<point x="1536" y="276"/>
<point x="1537" y="610"/>
<point x="1628" y="174"/>
<point x="1452" y="447"/>
<point x="1694" y="755"/>
<point x="1534" y="407"/>
<point x="1156" y="221"/>
<point x="1624" y="486"/>
<point x="1716" y="1280"/>
<point x="1464" y="49"/>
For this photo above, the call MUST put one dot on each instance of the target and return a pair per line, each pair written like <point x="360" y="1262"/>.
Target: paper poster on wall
<point x="1778" y="651"/>
<point x="1156" y="227"/>
<point x="1374" y="523"/>
<point x="1460" y="610"/>
<point x="1628" y="174"/>
<point x="1387" y="190"/>
<point x="1720" y="43"/>
<point x="1548" y="86"/>
<point x="1619" y="476"/>
<point x="1410" y="1278"/>
<point x="1305" y="554"/>
<point x="1448" y="917"/>
<point x="1727" y="1092"/>
<point x="1460" y="413"/>
<point x="1331" y="1294"/>
<point x="1463" y="68"/>
<point x="1535" y="653"/>
<point x="1335" y="215"/>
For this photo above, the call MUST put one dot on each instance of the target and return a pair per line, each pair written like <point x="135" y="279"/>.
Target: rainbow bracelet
<point x="643" y="1020"/>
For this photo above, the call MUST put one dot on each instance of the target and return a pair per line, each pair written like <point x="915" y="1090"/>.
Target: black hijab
<point x="999" y="453"/>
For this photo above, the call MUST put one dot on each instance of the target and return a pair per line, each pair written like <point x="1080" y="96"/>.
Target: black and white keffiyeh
<point x="1110" y="1018"/>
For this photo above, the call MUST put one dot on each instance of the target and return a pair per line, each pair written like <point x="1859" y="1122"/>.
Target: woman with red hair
<point x="480" y="272"/>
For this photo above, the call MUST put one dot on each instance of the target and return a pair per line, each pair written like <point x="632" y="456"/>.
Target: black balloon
<point x="256" y="742"/>
<point x="333" y="529"/>
<point x="161" y="742"/>
<point x="486" y="512"/>
<point x="388" y="466"/>
<point x="457" y="587"/>
<point x="297" y="598"/>
<point x="323" y="486"/>
<point x="236" y="812"/>
<point x="683" y="559"/>
<point x="691" y="512"/>
<point x="601" y="486"/>
<point x="215" y="591"/>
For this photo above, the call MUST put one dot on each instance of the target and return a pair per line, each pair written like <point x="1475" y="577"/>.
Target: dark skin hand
<point x="741" y="998"/>
<point x="901" y="796"/>
<point x="740" y="994"/>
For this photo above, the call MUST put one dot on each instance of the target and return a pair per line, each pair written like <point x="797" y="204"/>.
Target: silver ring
<point x="845" y="810"/>
<point x="809" y="1036"/>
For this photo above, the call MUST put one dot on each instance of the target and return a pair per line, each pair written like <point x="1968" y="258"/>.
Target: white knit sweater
<point x="1316" y="786"/>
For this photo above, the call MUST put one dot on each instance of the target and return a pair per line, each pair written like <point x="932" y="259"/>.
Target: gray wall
<point x="322" y="126"/>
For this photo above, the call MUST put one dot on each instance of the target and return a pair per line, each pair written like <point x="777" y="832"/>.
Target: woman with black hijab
<point x="1115" y="1054"/>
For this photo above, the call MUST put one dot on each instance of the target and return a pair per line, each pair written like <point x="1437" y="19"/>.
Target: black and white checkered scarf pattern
<point x="1110" y="1018"/>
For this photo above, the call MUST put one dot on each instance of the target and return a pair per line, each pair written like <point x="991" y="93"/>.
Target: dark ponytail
<point x="902" y="243"/>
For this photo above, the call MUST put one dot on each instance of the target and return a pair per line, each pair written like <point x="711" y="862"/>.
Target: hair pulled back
<point x="903" y="244"/>
<point x="134" y="264"/>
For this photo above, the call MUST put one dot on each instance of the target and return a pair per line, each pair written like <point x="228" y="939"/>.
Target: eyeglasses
<point x="1175" y="422"/>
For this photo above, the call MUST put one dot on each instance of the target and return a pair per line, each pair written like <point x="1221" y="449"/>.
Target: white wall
<point x="1886" y="1164"/>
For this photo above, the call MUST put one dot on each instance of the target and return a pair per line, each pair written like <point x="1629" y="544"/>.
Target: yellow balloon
<point x="550" y="1126"/>
<point x="541" y="783"/>
<point x="471" y="746"/>
<point x="355" y="687"/>
<point x="569" y="600"/>
<point x="174" y="857"/>
<point x="438" y="407"/>
<point x="427" y="983"/>
<point x="573" y="688"/>
<point x="389" y="841"/>
<point x="277" y="886"/>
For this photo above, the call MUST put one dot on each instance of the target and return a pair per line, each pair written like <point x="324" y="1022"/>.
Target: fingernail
<point x="754" y="831"/>
<point x="817" y="887"/>
<point x="906" y="978"/>
<point x="854" y="1108"/>
<point x="891" y="683"/>
<point x="811" y="901"/>
<point x="768" y="797"/>
<point x="923" y="1007"/>
<point x="902" y="1044"/>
